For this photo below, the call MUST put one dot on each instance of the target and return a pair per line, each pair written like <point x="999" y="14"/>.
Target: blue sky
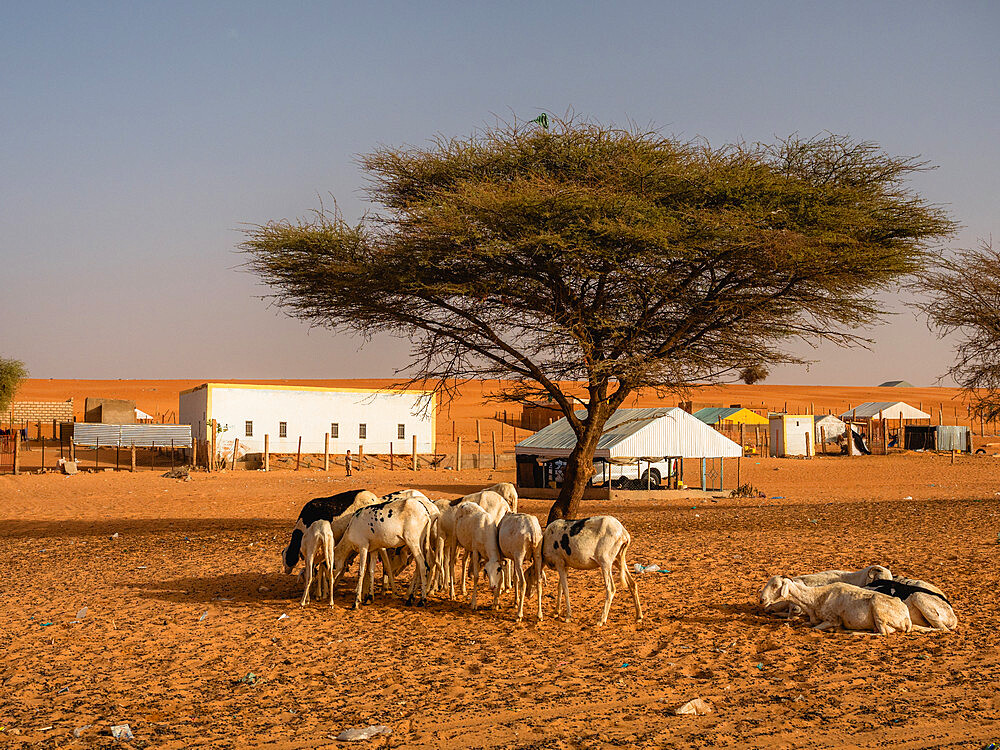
<point x="138" y="137"/>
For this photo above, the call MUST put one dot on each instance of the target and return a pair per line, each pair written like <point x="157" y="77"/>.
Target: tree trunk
<point x="579" y="470"/>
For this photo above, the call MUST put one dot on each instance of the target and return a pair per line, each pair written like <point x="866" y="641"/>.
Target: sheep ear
<point x="783" y="591"/>
<point x="871" y="574"/>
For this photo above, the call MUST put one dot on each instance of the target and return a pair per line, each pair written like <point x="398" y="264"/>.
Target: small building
<point x="377" y="420"/>
<point x="637" y="444"/>
<point x="829" y="428"/>
<point x="896" y="384"/>
<point x="938" y="438"/>
<point x="791" y="435"/>
<point x="884" y="410"/>
<point x="109" y="411"/>
<point x="729" y="415"/>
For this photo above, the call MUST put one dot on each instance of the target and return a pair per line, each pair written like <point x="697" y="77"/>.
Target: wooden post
<point x="458" y="454"/>
<point x="212" y="461"/>
<point x="822" y="439"/>
<point x="885" y="436"/>
<point x="361" y="457"/>
<point x="953" y="455"/>
<point x="326" y="451"/>
<point x="392" y="458"/>
<point x="38" y="427"/>
<point x="941" y="414"/>
<point x="756" y="437"/>
<point x="850" y="438"/>
<point x="54" y="436"/>
<point x="982" y="426"/>
<point x="97" y="454"/>
<point x="17" y="449"/>
<point x="810" y="449"/>
<point x="479" y="451"/>
<point x="479" y="434"/>
<point x="453" y="430"/>
<point x="493" y="437"/>
<point x="267" y="452"/>
<point x="132" y="457"/>
<point x="72" y="448"/>
<point x="743" y="438"/>
<point x="236" y="451"/>
<point x="298" y="455"/>
<point x="413" y="453"/>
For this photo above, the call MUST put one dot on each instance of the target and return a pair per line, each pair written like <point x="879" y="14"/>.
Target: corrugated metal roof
<point x="890" y="409"/>
<point x="126" y="435"/>
<point x="649" y="432"/>
<point x="712" y="414"/>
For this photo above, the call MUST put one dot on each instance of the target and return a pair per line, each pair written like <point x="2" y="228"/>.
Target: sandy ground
<point x="186" y="601"/>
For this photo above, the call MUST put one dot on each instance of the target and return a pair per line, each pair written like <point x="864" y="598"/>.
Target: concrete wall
<point x="41" y="411"/>
<point x="109" y="411"/>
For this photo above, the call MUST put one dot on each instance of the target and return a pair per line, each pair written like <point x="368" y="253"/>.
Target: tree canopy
<point x="12" y="374"/>
<point x="962" y="298"/>
<point x="617" y="257"/>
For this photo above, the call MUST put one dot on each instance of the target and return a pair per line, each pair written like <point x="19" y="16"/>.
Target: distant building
<point x="884" y="410"/>
<point x="896" y="384"/>
<point x="353" y="417"/>
<point x="791" y="435"/>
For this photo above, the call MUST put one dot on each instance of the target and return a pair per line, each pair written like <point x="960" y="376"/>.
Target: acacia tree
<point x="12" y="374"/>
<point x="962" y="296"/>
<point x="615" y="257"/>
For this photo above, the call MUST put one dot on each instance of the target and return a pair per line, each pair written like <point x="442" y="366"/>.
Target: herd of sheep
<point x="407" y="526"/>
<point x="512" y="550"/>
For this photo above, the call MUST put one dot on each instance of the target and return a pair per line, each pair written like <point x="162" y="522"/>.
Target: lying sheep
<point x="844" y="605"/>
<point x="925" y="602"/>
<point x="860" y="578"/>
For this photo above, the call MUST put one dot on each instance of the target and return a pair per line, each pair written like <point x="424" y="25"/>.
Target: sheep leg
<point x="825" y="625"/>
<point x="564" y="588"/>
<point x="465" y="570"/>
<point x="520" y="590"/>
<point x="538" y="579"/>
<point x="475" y="573"/>
<point x="362" y="569"/>
<point x="418" y="557"/>
<point x="329" y="569"/>
<point x="629" y="581"/>
<point x="609" y="592"/>
<point x="309" y="579"/>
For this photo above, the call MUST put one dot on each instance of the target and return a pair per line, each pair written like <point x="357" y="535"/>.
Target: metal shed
<point x="654" y="436"/>
<point x="884" y="410"/>
<point x="729" y="415"/>
<point x="792" y="435"/>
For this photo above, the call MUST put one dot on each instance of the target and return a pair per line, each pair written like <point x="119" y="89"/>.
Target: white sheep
<point x="490" y="501"/>
<point x="381" y="526"/>
<point x="507" y="491"/>
<point x="927" y="604"/>
<point x="845" y="605"/>
<point x="586" y="544"/>
<point x="861" y="578"/>
<point x="520" y="538"/>
<point x="476" y="531"/>
<point x="318" y="549"/>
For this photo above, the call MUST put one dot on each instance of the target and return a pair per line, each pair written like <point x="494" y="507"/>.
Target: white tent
<point x="885" y="410"/>
<point x="637" y="433"/>
<point x="829" y="427"/>
<point x="142" y="416"/>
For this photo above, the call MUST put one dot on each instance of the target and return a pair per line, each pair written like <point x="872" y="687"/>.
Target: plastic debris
<point x="358" y="734"/>
<point x="122" y="732"/>
<point x="777" y="497"/>
<point x="78" y="732"/>
<point x="203" y="615"/>
<point x="695" y="707"/>
<point x="81" y="614"/>
<point x="249" y="679"/>
<point x="45" y="624"/>
<point x="113" y="536"/>
<point x="283" y="617"/>
<point x="908" y="497"/>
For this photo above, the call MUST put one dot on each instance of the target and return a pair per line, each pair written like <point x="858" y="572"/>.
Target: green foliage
<point x="753" y="374"/>
<point x="622" y="258"/>
<point x="961" y="297"/>
<point x="12" y="374"/>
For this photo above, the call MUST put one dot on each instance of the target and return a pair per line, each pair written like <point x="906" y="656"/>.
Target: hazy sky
<point x="136" y="138"/>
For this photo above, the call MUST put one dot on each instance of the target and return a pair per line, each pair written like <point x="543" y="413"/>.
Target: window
<point x="282" y="429"/>
<point x="362" y="431"/>
<point x="401" y="431"/>
<point x="249" y="428"/>
<point x="334" y="430"/>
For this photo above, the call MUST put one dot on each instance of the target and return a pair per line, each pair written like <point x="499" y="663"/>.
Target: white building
<point x="791" y="435"/>
<point x="353" y="417"/>
<point x="884" y="410"/>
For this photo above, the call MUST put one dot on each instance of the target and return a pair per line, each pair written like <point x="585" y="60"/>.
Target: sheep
<point x="325" y="508"/>
<point x="845" y="605"/>
<point x="476" y="531"/>
<point x="768" y="594"/>
<point x="431" y="550"/>
<point x="318" y="549"/>
<point x="925" y="602"/>
<point x="494" y="504"/>
<point x="388" y="525"/>
<point x="520" y="538"/>
<point x="507" y="491"/>
<point x="586" y="544"/>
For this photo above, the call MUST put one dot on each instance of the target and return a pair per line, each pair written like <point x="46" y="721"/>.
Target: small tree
<point x="962" y="298"/>
<point x="619" y="258"/>
<point x="12" y="374"/>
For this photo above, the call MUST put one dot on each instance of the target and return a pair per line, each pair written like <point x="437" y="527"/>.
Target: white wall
<point x="788" y="435"/>
<point x="309" y="414"/>
<point x="192" y="409"/>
